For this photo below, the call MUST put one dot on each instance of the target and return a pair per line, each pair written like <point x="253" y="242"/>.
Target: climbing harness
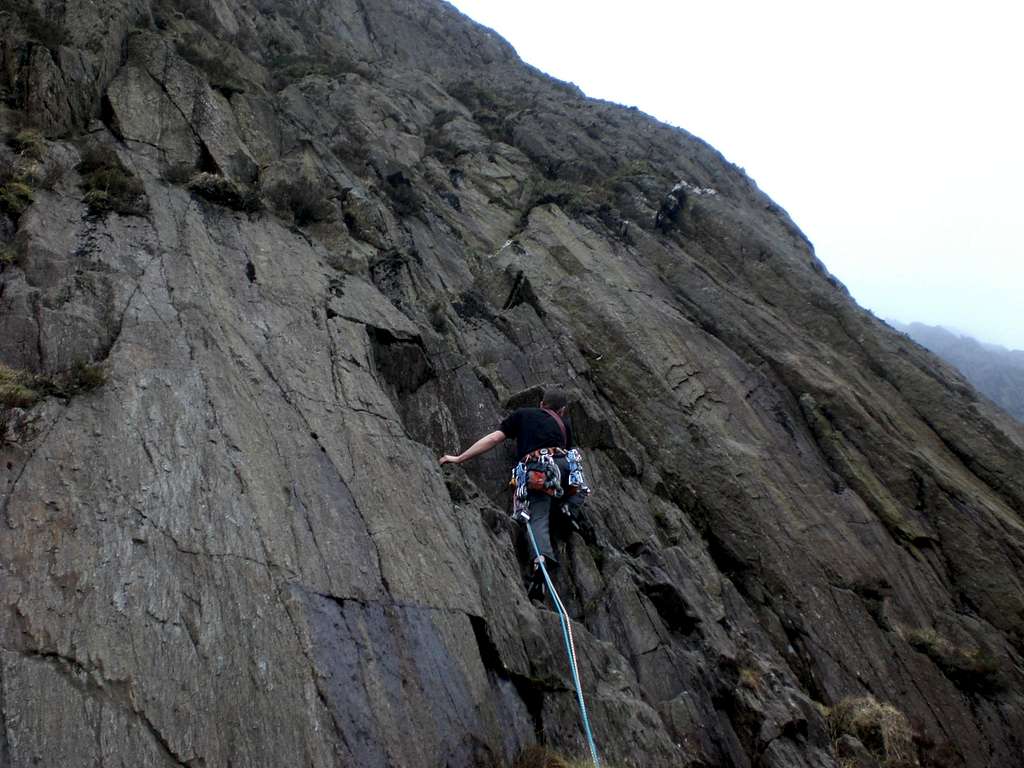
<point x="536" y="472"/>
<point x="570" y="646"/>
<point x="539" y="472"/>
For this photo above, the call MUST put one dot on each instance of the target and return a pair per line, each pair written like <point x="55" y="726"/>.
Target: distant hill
<point x="995" y="371"/>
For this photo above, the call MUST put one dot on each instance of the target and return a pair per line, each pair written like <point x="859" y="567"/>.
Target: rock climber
<point x="548" y="478"/>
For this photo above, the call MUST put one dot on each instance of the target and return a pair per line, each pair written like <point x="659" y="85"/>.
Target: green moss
<point x="969" y="667"/>
<point x="52" y="175"/>
<point x="108" y="185"/>
<point x="35" y="25"/>
<point x="490" y="109"/>
<point x="289" y="68"/>
<point x="303" y="199"/>
<point x="10" y="255"/>
<point x="596" y="197"/>
<point x="83" y="377"/>
<point x="15" y="197"/>
<point x="29" y="142"/>
<point x="573" y="198"/>
<point x="631" y="169"/>
<point x="22" y="389"/>
<point x="17" y="388"/>
<point x="855" y="470"/>
<point x="179" y="173"/>
<point x="437" y="312"/>
<point x="223" y="191"/>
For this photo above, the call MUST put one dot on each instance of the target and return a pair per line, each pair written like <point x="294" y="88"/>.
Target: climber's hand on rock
<point x="449" y="459"/>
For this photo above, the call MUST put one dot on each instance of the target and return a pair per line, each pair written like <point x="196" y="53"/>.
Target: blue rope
<point x="567" y="638"/>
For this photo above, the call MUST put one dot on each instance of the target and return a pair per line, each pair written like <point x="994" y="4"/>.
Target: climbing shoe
<point x="536" y="588"/>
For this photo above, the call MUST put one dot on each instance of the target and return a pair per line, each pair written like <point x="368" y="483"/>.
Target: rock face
<point x="368" y="230"/>
<point x="995" y="371"/>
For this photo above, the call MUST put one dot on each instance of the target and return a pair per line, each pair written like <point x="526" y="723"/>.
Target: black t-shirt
<point x="534" y="428"/>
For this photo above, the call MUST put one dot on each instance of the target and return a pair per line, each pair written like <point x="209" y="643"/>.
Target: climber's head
<point x="555" y="399"/>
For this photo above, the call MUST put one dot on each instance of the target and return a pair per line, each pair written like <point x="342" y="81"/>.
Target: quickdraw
<point x="577" y="482"/>
<point x="538" y="472"/>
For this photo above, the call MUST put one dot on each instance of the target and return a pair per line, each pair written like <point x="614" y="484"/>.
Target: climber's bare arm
<point x="483" y="445"/>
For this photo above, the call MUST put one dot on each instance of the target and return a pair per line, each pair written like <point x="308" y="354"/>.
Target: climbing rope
<point x="570" y="647"/>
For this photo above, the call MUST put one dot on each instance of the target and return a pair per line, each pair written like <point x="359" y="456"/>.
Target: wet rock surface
<point x="240" y="550"/>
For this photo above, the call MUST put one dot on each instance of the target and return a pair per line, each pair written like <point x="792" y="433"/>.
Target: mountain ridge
<point x="997" y="372"/>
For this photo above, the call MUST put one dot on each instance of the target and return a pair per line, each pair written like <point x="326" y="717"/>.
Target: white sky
<point x="892" y="132"/>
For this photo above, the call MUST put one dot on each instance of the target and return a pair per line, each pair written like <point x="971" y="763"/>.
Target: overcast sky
<point x="892" y="132"/>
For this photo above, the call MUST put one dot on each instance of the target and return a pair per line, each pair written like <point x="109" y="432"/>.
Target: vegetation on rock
<point x="15" y="197"/>
<point x="883" y="730"/>
<point x="302" y="199"/>
<point x="17" y="388"/>
<point x="970" y="667"/>
<point x="15" y="188"/>
<point x="490" y="109"/>
<point x="780" y="479"/>
<point x="23" y="389"/>
<point x="36" y="25"/>
<point x="287" y="69"/>
<point x="406" y="200"/>
<point x="10" y="255"/>
<point x="180" y="173"/>
<point x="108" y="185"/>
<point x="29" y="142"/>
<point x="223" y="191"/>
<point x="219" y="73"/>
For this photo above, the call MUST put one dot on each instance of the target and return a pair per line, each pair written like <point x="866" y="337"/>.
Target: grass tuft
<point x="37" y="26"/>
<point x="29" y="142"/>
<point x="108" y="185"/>
<point x="223" y="191"/>
<point x="219" y="73"/>
<point x="289" y="68"/>
<point x="22" y="389"/>
<point x="83" y="377"/>
<point x="881" y="728"/>
<point x="751" y="679"/>
<point x="17" y="388"/>
<point x="10" y="256"/>
<point x="179" y="173"/>
<point x="302" y="199"/>
<point x="15" y="197"/>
